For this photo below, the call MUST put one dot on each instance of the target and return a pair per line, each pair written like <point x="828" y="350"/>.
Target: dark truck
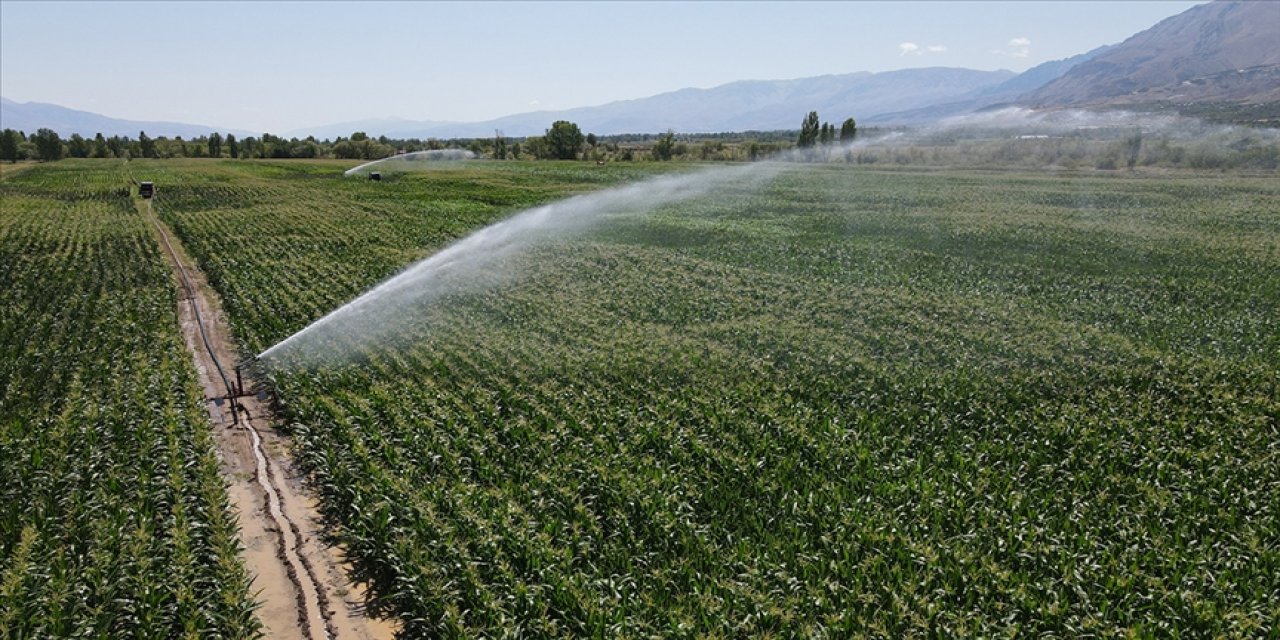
<point x="146" y="189"/>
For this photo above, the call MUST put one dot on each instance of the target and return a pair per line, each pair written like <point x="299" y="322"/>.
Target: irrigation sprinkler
<point x="237" y="390"/>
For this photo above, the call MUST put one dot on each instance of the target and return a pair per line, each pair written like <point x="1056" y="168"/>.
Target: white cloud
<point x="1019" y="47"/>
<point x="911" y="48"/>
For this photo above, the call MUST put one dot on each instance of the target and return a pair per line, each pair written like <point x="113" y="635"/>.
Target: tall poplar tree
<point x="848" y="131"/>
<point x="809" y="130"/>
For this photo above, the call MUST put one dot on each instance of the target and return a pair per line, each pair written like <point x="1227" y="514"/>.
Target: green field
<point x="113" y="518"/>
<point x="844" y="402"/>
<point x="849" y="402"/>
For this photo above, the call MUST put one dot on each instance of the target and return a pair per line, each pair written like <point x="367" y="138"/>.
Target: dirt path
<point x="300" y="582"/>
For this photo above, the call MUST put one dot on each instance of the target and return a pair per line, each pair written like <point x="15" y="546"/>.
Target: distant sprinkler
<point x="375" y="176"/>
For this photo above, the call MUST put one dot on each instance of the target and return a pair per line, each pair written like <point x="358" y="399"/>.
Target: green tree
<point x="233" y="146"/>
<point x="198" y="147"/>
<point x="308" y="148"/>
<point x="177" y="147"/>
<point x="119" y="147"/>
<point x="499" y="145"/>
<point x="281" y="148"/>
<point x="809" y="130"/>
<point x="564" y="140"/>
<point x="9" y="145"/>
<point x="215" y="145"/>
<point x="78" y="147"/>
<point x="344" y="150"/>
<point x="373" y="150"/>
<point x="100" y="148"/>
<point x="1133" y="145"/>
<point x="827" y="134"/>
<point x="48" y="145"/>
<point x="665" y="147"/>
<point x="273" y="147"/>
<point x="146" y="146"/>
<point x="848" y="131"/>
<point x="537" y="147"/>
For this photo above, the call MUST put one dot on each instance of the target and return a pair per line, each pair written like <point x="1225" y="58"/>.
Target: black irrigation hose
<point x="322" y="601"/>
<point x="191" y="296"/>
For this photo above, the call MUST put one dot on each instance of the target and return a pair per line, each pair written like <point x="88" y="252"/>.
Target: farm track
<point x="301" y="585"/>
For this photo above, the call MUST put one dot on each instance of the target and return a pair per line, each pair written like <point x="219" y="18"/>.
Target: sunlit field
<point x="113" y="518"/>
<point x="843" y="402"/>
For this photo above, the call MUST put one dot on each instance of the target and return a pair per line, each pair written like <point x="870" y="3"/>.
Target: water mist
<point x="482" y="259"/>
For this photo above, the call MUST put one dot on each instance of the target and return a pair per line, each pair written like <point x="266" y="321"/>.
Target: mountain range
<point x="748" y="105"/>
<point x="1004" y="93"/>
<point x="30" y="116"/>
<point x="1216" y="58"/>
<point x="1219" y="51"/>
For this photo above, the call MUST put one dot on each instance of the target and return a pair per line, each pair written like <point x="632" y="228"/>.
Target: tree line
<point x="814" y="132"/>
<point x="46" y="145"/>
<point x="564" y="140"/>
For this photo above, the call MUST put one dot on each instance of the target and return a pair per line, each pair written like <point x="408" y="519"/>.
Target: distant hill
<point x="1002" y="93"/>
<point x="761" y="105"/>
<point x="30" y="116"/>
<point x="1041" y="74"/>
<point x="1221" y="52"/>
<point x="1218" y="60"/>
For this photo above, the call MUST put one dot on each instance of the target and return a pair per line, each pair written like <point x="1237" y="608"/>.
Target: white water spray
<point x="478" y="260"/>
<point x="411" y="160"/>
<point x="483" y="258"/>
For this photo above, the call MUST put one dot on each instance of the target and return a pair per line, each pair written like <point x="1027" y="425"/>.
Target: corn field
<point x="113" y="518"/>
<point x="845" y="402"/>
<point x="848" y="403"/>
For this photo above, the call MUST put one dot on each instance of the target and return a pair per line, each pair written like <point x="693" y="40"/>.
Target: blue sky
<point x="279" y="66"/>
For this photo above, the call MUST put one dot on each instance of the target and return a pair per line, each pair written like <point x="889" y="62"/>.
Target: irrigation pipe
<point x="312" y="602"/>
<point x="195" y="309"/>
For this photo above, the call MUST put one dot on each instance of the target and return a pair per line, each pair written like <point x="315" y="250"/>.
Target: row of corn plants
<point x="257" y="227"/>
<point x="114" y="522"/>
<point x="848" y="403"/>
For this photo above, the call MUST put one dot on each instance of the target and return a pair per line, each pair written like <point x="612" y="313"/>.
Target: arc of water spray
<point x="467" y="261"/>
<point x="431" y="155"/>
<point x="488" y="247"/>
<point x="474" y="260"/>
